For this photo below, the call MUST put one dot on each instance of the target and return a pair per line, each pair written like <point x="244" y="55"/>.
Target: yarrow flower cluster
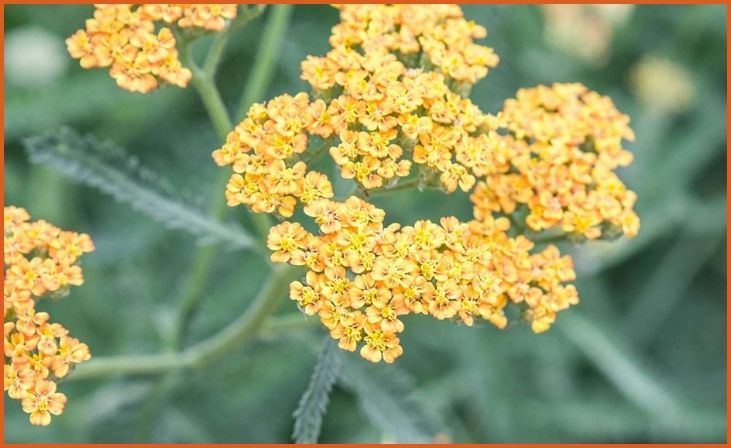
<point x="391" y="68"/>
<point x="141" y="54"/>
<point x="561" y="148"/>
<point x="262" y="150"/>
<point x="437" y="35"/>
<point x="390" y="103"/>
<point x="40" y="261"/>
<point x="388" y="115"/>
<point x="362" y="276"/>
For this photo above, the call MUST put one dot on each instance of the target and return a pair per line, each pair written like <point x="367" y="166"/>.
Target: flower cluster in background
<point x="141" y="54"/>
<point x="593" y="25"/>
<point x="390" y="107"/>
<point x="41" y="260"/>
<point x="561" y="148"/>
<point x="661" y="85"/>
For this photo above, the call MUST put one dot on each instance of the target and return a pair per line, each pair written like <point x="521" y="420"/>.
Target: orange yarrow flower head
<point x="137" y="43"/>
<point x="397" y="75"/>
<point x="266" y="151"/>
<point x="561" y="147"/>
<point x="40" y="260"/>
<point x="390" y="109"/>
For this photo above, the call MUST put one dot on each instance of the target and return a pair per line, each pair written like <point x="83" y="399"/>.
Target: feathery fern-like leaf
<point x="313" y="404"/>
<point x="109" y="168"/>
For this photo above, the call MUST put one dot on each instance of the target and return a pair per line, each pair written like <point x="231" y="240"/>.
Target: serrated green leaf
<point x="313" y="404"/>
<point x="107" y="167"/>
<point x="388" y="397"/>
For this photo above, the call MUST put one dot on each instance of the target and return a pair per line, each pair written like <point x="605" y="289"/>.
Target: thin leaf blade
<point x="313" y="404"/>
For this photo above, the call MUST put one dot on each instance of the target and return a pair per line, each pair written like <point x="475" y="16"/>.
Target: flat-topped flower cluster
<point x="41" y="260"/>
<point x="560" y="150"/>
<point x="362" y="276"/>
<point x="139" y="52"/>
<point x="389" y="105"/>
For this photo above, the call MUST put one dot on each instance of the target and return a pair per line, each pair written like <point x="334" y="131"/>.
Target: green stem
<point x="315" y="153"/>
<point x="255" y="89"/>
<point x="101" y="367"/>
<point x="247" y="325"/>
<point x="203" y="81"/>
<point x="405" y="184"/>
<point x="547" y="239"/>
<point x="228" y="340"/>
<point x="514" y="222"/>
<point x="266" y="57"/>
<point x="277" y="326"/>
<point x="212" y="101"/>
<point x="262" y="223"/>
<point x="204" y="257"/>
<point x="354" y="190"/>
<point x="192" y="292"/>
<point x="216" y="50"/>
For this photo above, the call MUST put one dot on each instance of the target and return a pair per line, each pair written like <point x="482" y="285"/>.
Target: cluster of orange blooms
<point x="125" y="38"/>
<point x="389" y="110"/>
<point x="387" y="115"/>
<point x="389" y="100"/>
<point x="362" y="276"/>
<point x="40" y="260"/>
<point x="434" y="35"/>
<point x="562" y="146"/>
<point x="265" y="151"/>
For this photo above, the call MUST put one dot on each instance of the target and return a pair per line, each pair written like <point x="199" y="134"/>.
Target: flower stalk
<point x="236" y="334"/>
<point x="204" y="83"/>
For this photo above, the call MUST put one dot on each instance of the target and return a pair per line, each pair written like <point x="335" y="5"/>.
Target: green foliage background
<point x="641" y="359"/>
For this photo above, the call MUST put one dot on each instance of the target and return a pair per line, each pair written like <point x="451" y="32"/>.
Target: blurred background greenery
<point x="641" y="359"/>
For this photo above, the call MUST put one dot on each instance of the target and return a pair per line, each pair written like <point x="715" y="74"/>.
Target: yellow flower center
<point x="288" y="244"/>
<point x="376" y="340"/>
<point x="388" y="313"/>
